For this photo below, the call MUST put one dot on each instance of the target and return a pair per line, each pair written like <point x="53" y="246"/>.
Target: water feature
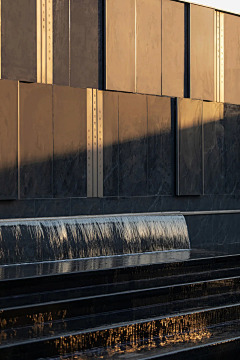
<point x="31" y="240"/>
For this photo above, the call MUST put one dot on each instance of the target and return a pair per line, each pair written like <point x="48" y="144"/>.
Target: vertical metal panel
<point x="221" y="57"/>
<point x="49" y="37"/>
<point x="202" y="53"/>
<point x="148" y="46"/>
<point x="172" y="48"/>
<point x="89" y="143"/>
<point x="95" y="145"/>
<point x="0" y="39"/>
<point x="100" y="143"/>
<point x="120" y="45"/>
<point x="44" y="47"/>
<point x="39" y="40"/>
<point x="232" y="59"/>
<point x="177" y="149"/>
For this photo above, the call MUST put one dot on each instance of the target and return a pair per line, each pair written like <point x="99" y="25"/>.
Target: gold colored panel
<point x="39" y="40"/>
<point x="89" y="143"/>
<point x="44" y="65"/>
<point x="100" y="143"/>
<point x="0" y="39"/>
<point x="49" y="33"/>
<point x="95" y="145"/>
<point x="148" y="46"/>
<point x="120" y="45"/>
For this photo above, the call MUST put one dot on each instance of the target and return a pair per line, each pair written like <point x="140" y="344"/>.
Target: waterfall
<point x="83" y="237"/>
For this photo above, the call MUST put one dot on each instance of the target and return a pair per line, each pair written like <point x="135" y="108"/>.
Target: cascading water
<point x="83" y="237"/>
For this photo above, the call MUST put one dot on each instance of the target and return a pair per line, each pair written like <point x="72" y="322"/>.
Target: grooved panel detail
<point x="44" y="41"/>
<point x="219" y="56"/>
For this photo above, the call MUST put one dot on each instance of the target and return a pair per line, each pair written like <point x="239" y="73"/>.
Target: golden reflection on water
<point x="137" y="337"/>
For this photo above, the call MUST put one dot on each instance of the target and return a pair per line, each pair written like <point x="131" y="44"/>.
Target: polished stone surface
<point x="70" y="142"/>
<point x="18" y="40"/>
<point x="8" y="140"/>
<point x="231" y="59"/>
<point x="148" y="46"/>
<point x="132" y="145"/>
<point x="110" y="144"/>
<point x="61" y="42"/>
<point x="231" y="125"/>
<point x="189" y="151"/>
<point x="36" y="141"/>
<point x="214" y="148"/>
<point x="160" y="146"/>
<point x="120" y="45"/>
<point x="202" y="52"/>
<point x="84" y="43"/>
<point x="52" y="207"/>
<point x="172" y="48"/>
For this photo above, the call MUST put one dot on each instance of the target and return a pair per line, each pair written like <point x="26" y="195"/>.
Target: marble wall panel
<point x="160" y="146"/>
<point x="148" y="46"/>
<point x="213" y="130"/>
<point x="120" y="45"/>
<point x="8" y="139"/>
<point x="189" y="149"/>
<point x="18" y="40"/>
<point x="132" y="144"/>
<point x="231" y="59"/>
<point x="70" y="142"/>
<point x="201" y="52"/>
<point x="172" y="48"/>
<point x="84" y="43"/>
<point x="110" y="144"/>
<point x="231" y="125"/>
<point x="35" y="140"/>
<point x="200" y="230"/>
<point x="61" y="42"/>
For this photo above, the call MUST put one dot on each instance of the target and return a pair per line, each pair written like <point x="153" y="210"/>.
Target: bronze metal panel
<point x="148" y="46"/>
<point x="8" y="139"/>
<point x="84" y="43"/>
<point x="189" y="147"/>
<point x="110" y="143"/>
<point x="132" y="144"/>
<point x="232" y="59"/>
<point x="95" y="144"/>
<point x="201" y="53"/>
<point x="35" y="140"/>
<point x="89" y="143"/>
<point x="18" y="39"/>
<point x="61" y="42"/>
<point x="120" y="45"/>
<point x="70" y="141"/>
<point x="172" y="48"/>
<point x="100" y="142"/>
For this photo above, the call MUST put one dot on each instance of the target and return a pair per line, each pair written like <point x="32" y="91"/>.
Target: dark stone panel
<point x="70" y="142"/>
<point x="231" y="59"/>
<point x="8" y="139"/>
<point x="213" y="130"/>
<point x="52" y="207"/>
<point x="224" y="202"/>
<point x="87" y="206"/>
<point x="132" y="144"/>
<point x="202" y="52"/>
<point x="160" y="146"/>
<point x="148" y="46"/>
<point x="200" y="230"/>
<point x="132" y="205"/>
<point x="61" y="42"/>
<point x="110" y="144"/>
<point x="231" y="125"/>
<point x="84" y="43"/>
<point x="17" y="209"/>
<point x="187" y="203"/>
<point x="189" y="147"/>
<point x="120" y="45"/>
<point x="224" y="228"/>
<point x="172" y="48"/>
<point x="36" y="140"/>
<point x="18" y="27"/>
